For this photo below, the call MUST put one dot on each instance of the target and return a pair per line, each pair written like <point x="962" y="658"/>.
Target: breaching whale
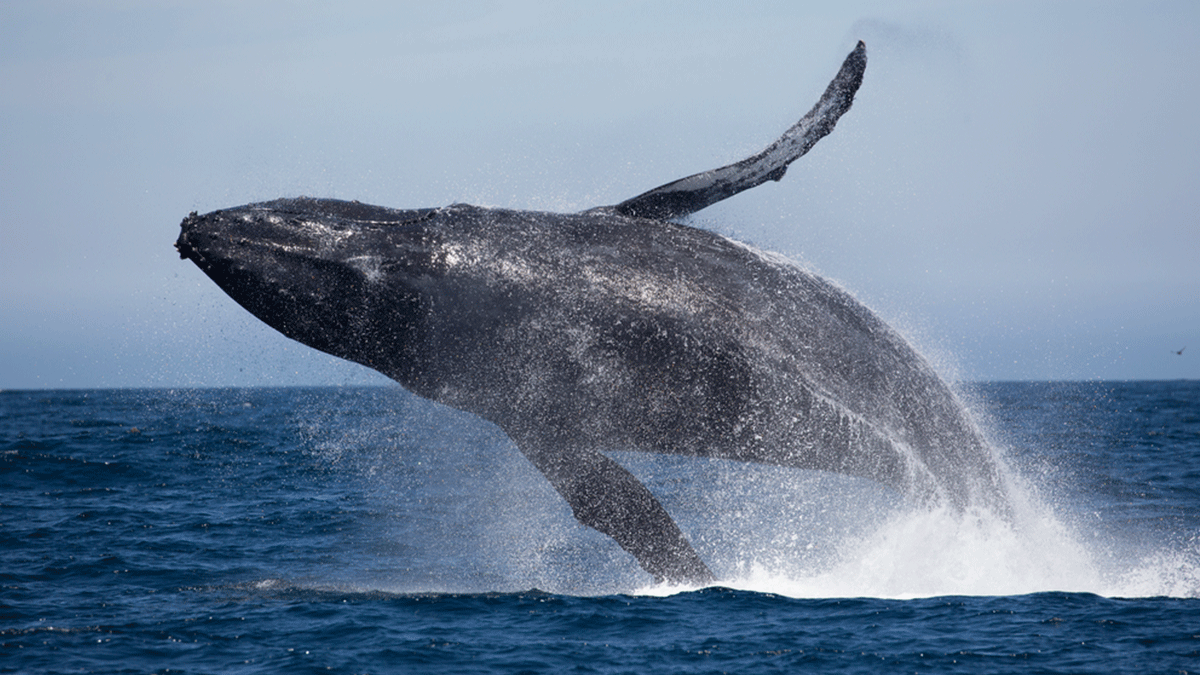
<point x="611" y="329"/>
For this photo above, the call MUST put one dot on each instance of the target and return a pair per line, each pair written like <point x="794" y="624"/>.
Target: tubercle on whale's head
<point x="183" y="244"/>
<point x="311" y="269"/>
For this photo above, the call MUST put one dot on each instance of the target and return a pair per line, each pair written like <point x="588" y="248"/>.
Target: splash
<point x="436" y="519"/>
<point x="936" y="553"/>
<point x="902" y="552"/>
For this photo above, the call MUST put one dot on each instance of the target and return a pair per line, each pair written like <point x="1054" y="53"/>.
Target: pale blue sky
<point x="1015" y="187"/>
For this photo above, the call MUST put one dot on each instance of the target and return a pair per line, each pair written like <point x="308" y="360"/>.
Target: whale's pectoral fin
<point x="605" y="496"/>
<point x="688" y="195"/>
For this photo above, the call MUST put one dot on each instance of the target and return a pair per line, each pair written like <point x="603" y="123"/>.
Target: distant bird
<point x="1180" y="352"/>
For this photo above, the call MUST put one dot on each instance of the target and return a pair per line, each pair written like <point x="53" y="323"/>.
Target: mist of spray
<point x="457" y="509"/>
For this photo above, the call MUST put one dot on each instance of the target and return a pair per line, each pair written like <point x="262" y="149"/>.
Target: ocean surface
<point x="363" y="530"/>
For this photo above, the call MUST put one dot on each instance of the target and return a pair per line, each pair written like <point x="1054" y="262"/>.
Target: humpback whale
<point x="618" y="328"/>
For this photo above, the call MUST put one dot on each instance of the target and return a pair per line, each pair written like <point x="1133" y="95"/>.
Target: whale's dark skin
<point x="612" y="329"/>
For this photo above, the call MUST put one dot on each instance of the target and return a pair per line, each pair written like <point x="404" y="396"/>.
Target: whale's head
<point x="312" y="269"/>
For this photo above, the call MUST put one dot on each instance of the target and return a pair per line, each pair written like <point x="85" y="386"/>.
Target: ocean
<point x="364" y="530"/>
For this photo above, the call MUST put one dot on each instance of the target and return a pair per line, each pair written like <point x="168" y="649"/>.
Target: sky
<point x="1015" y="187"/>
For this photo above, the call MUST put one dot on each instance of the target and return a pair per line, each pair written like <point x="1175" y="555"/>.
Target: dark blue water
<point x="363" y="530"/>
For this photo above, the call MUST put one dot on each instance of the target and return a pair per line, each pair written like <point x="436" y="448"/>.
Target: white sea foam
<point x="912" y="553"/>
